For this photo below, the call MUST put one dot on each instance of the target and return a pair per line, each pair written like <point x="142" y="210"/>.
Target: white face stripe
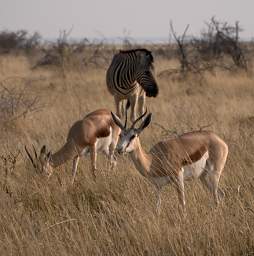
<point x="125" y="140"/>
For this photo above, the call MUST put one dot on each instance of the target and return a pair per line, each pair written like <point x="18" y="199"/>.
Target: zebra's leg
<point x="122" y="107"/>
<point x="133" y="101"/>
<point x="141" y="102"/>
<point x="118" y="106"/>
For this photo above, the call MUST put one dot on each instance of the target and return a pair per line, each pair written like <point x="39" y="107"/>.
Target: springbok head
<point x="128" y="137"/>
<point x="41" y="162"/>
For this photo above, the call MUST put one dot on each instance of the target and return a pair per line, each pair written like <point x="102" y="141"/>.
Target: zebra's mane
<point x="134" y="50"/>
<point x="138" y="49"/>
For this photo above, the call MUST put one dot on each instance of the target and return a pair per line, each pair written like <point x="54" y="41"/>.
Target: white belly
<point x="194" y="170"/>
<point x="190" y="171"/>
<point x="102" y="144"/>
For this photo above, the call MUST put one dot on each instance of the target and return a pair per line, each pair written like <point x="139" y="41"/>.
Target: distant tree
<point x="18" y="40"/>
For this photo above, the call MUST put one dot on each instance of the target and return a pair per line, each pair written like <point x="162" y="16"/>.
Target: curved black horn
<point x="35" y="153"/>
<point x="126" y="116"/>
<point x="30" y="157"/>
<point x="133" y="124"/>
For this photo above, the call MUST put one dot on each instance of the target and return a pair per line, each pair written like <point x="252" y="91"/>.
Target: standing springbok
<point x="195" y="154"/>
<point x="96" y="132"/>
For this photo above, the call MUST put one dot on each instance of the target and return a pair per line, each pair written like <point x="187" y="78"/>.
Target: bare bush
<point x="16" y="102"/>
<point x="218" y="40"/>
<point x="218" y="44"/>
<point x="8" y="161"/>
<point x="97" y="54"/>
<point x="189" y="61"/>
<point x="66" y="53"/>
<point x="57" y="53"/>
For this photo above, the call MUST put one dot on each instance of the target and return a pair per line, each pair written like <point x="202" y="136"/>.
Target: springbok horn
<point x="35" y="153"/>
<point x="133" y="124"/>
<point x="126" y="109"/>
<point x="30" y="157"/>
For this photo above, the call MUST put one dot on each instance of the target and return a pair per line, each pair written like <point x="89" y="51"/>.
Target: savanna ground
<point x="115" y="215"/>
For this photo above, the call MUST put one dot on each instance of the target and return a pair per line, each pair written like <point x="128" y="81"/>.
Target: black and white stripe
<point x="130" y="69"/>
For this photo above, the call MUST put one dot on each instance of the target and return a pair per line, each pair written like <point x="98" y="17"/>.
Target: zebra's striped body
<point x="130" y="77"/>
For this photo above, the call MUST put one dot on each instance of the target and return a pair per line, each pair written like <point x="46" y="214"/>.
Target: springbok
<point x="200" y="154"/>
<point x="96" y="132"/>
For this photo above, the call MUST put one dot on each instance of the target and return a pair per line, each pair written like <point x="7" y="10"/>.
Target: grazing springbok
<point x="195" y="154"/>
<point x="96" y="132"/>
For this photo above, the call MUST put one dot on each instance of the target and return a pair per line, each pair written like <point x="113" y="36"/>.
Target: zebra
<point x="130" y="77"/>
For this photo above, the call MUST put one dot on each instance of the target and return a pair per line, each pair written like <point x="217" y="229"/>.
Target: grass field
<point x="116" y="214"/>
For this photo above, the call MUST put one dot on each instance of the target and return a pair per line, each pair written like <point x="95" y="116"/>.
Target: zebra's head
<point x="145" y="59"/>
<point x="139" y="67"/>
<point x="145" y="76"/>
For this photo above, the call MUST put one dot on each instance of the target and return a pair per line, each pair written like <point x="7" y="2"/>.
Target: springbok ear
<point x="117" y="120"/>
<point x="43" y="149"/>
<point x="145" y="123"/>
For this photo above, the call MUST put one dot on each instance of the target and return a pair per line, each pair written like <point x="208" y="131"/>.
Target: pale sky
<point x="109" y="18"/>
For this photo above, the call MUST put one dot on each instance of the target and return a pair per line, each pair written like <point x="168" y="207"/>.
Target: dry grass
<point x="116" y="214"/>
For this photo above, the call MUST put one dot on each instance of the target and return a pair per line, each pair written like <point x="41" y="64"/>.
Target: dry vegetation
<point x="116" y="214"/>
